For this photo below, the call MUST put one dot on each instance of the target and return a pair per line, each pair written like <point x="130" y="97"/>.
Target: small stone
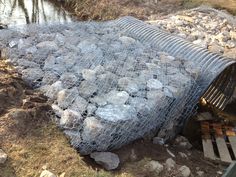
<point x="57" y="110"/>
<point x="74" y="136"/>
<point x="31" y="75"/>
<point x="65" y="97"/>
<point x="116" y="97"/>
<point x="70" y="118"/>
<point x="158" y="140"/>
<point x="155" y="166"/>
<point x="133" y="156"/>
<point x="200" y="173"/>
<point x="170" y="164"/>
<point x="87" y="46"/>
<point x="154" y="84"/>
<point x="49" y="45"/>
<point x="79" y="104"/>
<point x="54" y="89"/>
<point x="183" y="142"/>
<point x="87" y="89"/>
<point x="155" y="98"/>
<point x="68" y="80"/>
<point x="89" y="75"/>
<point x="99" y="100"/>
<point x="46" y="173"/>
<point x="31" y="50"/>
<point x="62" y="175"/>
<point x="108" y="160"/>
<point x="184" y="171"/>
<point x="128" y="84"/>
<point x="183" y="155"/>
<point x="92" y="129"/>
<point x="116" y="112"/>
<point x="216" y="48"/>
<point x="91" y="108"/>
<point x="49" y="78"/>
<point x="127" y="41"/>
<point x="3" y="156"/>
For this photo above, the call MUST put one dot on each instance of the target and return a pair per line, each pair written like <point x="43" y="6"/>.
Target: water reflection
<point x="17" y="12"/>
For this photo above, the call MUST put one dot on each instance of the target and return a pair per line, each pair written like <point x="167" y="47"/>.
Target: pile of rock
<point x="107" y="88"/>
<point x="205" y="27"/>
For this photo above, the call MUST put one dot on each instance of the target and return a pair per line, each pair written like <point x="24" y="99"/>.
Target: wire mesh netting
<point x="112" y="82"/>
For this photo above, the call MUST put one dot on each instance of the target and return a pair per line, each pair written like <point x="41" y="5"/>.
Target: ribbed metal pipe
<point x="218" y="74"/>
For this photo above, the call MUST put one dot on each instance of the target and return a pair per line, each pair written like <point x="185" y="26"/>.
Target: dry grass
<point x="142" y="9"/>
<point x="229" y="5"/>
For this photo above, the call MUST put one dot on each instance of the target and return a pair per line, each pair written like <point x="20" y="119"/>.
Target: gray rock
<point x="92" y="128"/>
<point x="117" y="98"/>
<point x="27" y="64"/>
<point x="128" y="84"/>
<point x="107" y="81"/>
<point x="49" y="45"/>
<point x="108" y="160"/>
<point x="87" y="89"/>
<point x="74" y="136"/>
<point x="154" y="84"/>
<point x="89" y="75"/>
<point x="99" y="69"/>
<point x="49" y="77"/>
<point x="79" y="104"/>
<point x="31" y="50"/>
<point x="183" y="155"/>
<point x="57" y="110"/>
<point x="184" y="171"/>
<point x="183" y="142"/>
<point x="91" y="108"/>
<point x="158" y="140"/>
<point x="155" y="166"/>
<point x="116" y="112"/>
<point x="170" y="164"/>
<point x="65" y="97"/>
<point x="127" y="41"/>
<point x="68" y="80"/>
<point x="3" y="156"/>
<point x="138" y="103"/>
<point x="46" y="173"/>
<point x="200" y="173"/>
<point x="87" y="46"/>
<point x="30" y="75"/>
<point x="99" y="100"/>
<point x="156" y="98"/>
<point x="54" y="89"/>
<point x="70" y="119"/>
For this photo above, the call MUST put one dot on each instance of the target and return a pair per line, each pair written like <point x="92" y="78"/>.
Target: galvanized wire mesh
<point x="114" y="82"/>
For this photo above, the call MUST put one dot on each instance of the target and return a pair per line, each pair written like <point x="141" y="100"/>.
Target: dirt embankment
<point x="141" y="9"/>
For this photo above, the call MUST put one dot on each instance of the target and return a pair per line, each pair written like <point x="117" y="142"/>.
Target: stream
<point x="20" y="12"/>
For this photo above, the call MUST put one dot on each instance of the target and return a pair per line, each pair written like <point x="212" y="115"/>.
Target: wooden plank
<point x="206" y="141"/>
<point x="221" y="145"/>
<point x="232" y="138"/>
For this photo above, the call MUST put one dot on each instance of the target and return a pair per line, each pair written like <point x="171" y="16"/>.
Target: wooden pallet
<point x="219" y="141"/>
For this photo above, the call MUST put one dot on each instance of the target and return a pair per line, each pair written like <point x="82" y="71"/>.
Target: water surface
<point x="19" y="12"/>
